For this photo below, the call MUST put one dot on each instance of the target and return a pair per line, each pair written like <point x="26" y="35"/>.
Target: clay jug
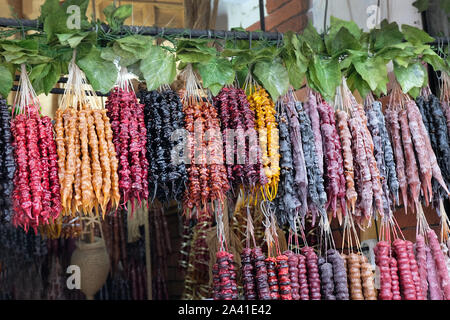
<point x="93" y="260"/>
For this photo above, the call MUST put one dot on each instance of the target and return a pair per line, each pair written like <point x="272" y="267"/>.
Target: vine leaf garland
<point x="158" y="68"/>
<point x="373" y="71"/>
<point x="387" y="35"/>
<point x="44" y="76"/>
<point x="295" y="61"/>
<point x="344" y="50"/>
<point x="415" y="35"/>
<point x="194" y="51"/>
<point x="55" y="17"/>
<point x="134" y="46"/>
<point x="22" y="51"/>
<point x="411" y="76"/>
<point x="116" y="16"/>
<point x="6" y="80"/>
<point x="422" y="5"/>
<point x="324" y="76"/>
<point x="216" y="73"/>
<point x="102" y="74"/>
<point x="273" y="76"/>
<point x="343" y="35"/>
<point x="74" y="39"/>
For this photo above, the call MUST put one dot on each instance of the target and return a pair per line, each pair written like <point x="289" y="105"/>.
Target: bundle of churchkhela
<point x="224" y="276"/>
<point x="268" y="136"/>
<point x="207" y="182"/>
<point x="317" y="197"/>
<point x="383" y="153"/>
<point x="237" y="121"/>
<point x="292" y="192"/>
<point x="332" y="267"/>
<point x="288" y="276"/>
<point x="36" y="196"/>
<point x="88" y="165"/>
<point x="129" y="137"/>
<point x="301" y="189"/>
<point x="416" y="162"/>
<point x="346" y="143"/>
<point x="333" y="162"/>
<point x="164" y="120"/>
<point x="433" y="117"/>
<point x="360" y="275"/>
<point x="207" y="175"/>
<point x="362" y="182"/>
<point x="411" y="271"/>
<point x="7" y="163"/>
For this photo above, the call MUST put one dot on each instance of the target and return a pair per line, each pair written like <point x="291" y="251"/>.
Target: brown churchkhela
<point x="89" y="175"/>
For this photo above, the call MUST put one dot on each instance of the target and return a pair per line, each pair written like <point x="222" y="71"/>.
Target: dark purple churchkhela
<point x="163" y="116"/>
<point x="7" y="164"/>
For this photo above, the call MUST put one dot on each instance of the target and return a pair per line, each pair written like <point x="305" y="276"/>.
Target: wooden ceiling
<point x="167" y="13"/>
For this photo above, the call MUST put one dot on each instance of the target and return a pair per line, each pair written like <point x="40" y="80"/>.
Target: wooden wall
<point x="162" y="13"/>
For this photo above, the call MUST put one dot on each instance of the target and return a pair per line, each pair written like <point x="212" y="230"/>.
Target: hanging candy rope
<point x="268" y="135"/>
<point x="333" y="162"/>
<point x="86" y="153"/>
<point x="417" y="165"/>
<point x="36" y="194"/>
<point x="369" y="201"/>
<point x="207" y="173"/>
<point x="129" y="138"/>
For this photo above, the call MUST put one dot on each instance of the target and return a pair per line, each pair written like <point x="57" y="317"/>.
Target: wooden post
<point x="148" y="256"/>
<point x="92" y="235"/>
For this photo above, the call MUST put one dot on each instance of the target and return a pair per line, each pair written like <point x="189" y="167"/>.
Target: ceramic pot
<point x="93" y="260"/>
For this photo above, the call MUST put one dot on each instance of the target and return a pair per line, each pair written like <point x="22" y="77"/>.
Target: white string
<point x="26" y="96"/>
<point x="124" y="78"/>
<point x="192" y="84"/>
<point x="267" y="223"/>
<point x="78" y="91"/>
<point x="220" y="229"/>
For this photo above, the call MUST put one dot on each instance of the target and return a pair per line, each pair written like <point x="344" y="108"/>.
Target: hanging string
<point x="220" y="229"/>
<point x="78" y="92"/>
<point x="194" y="91"/>
<point x="26" y="100"/>
<point x="267" y="223"/>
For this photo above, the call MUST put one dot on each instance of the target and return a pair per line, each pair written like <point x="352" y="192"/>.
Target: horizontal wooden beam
<point x="162" y="4"/>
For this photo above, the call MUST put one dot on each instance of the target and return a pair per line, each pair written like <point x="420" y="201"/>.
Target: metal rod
<point x="60" y="80"/>
<point x="262" y="20"/>
<point x="61" y="91"/>
<point x="182" y="33"/>
<point x="154" y="31"/>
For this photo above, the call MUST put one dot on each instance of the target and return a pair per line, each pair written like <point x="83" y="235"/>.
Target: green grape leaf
<point x="409" y="77"/>
<point x="217" y="72"/>
<point x="6" y="80"/>
<point x="101" y="74"/>
<point x="273" y="76"/>
<point x="373" y="70"/>
<point x="415" y="35"/>
<point x="158" y="68"/>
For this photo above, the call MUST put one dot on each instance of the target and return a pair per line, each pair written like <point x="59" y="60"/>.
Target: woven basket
<point x="93" y="260"/>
